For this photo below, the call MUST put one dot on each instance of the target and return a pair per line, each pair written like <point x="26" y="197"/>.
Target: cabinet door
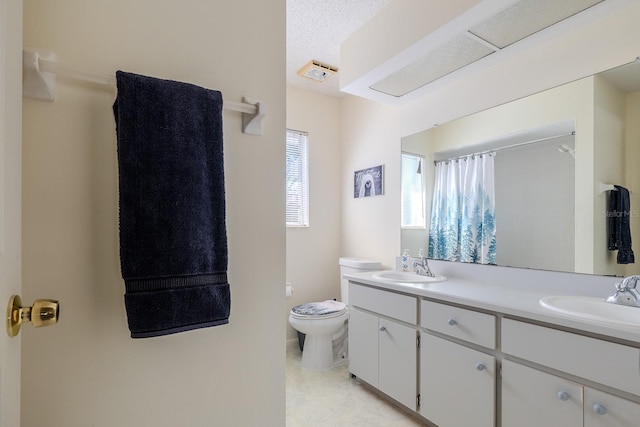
<point x="363" y="346"/>
<point x="397" y="362"/>
<point x="457" y="384"/>
<point x="604" y="410"/>
<point x="531" y="398"/>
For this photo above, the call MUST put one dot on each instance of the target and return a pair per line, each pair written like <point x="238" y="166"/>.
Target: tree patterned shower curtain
<point x="463" y="214"/>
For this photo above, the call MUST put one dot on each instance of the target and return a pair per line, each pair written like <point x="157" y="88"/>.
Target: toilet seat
<point x="319" y="310"/>
<point x="320" y="316"/>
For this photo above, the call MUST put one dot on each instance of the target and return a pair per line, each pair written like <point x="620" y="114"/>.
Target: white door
<point x="451" y="374"/>
<point x="604" y="410"/>
<point x="398" y="362"/>
<point x="10" y="200"/>
<point x="363" y="346"/>
<point x="532" y="398"/>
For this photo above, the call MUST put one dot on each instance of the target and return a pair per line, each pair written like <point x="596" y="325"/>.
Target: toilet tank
<point x="354" y="265"/>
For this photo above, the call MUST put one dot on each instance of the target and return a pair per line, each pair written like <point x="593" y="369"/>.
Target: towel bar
<point x="39" y="82"/>
<point x="610" y="187"/>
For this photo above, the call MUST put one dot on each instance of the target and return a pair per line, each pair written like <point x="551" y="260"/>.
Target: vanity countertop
<point x="515" y="302"/>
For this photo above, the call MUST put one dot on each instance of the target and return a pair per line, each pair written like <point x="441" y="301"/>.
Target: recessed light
<point x="317" y="71"/>
<point x="522" y="19"/>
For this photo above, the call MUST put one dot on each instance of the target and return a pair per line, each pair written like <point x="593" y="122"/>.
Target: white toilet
<point x="325" y="323"/>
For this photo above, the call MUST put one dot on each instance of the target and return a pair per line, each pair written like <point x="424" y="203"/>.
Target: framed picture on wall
<point x="368" y="182"/>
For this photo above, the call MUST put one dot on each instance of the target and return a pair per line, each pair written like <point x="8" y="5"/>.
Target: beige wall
<point x="86" y="370"/>
<point x="313" y="252"/>
<point x="370" y="226"/>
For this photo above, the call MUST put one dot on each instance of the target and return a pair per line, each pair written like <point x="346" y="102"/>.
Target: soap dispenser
<point x="405" y="260"/>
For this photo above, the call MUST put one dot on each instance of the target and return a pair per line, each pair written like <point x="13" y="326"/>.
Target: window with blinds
<point x="297" y="195"/>
<point x="412" y="192"/>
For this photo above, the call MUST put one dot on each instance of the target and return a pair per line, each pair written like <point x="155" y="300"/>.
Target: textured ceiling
<point x="315" y="29"/>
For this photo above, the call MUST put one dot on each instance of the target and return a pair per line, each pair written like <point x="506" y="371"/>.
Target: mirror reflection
<point x="540" y="169"/>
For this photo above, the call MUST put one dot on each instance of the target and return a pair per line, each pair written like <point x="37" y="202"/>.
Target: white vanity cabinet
<point x="479" y="367"/>
<point x="531" y="397"/>
<point x="383" y="341"/>
<point x="457" y="383"/>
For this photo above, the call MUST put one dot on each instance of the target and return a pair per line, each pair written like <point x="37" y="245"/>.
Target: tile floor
<point x="332" y="398"/>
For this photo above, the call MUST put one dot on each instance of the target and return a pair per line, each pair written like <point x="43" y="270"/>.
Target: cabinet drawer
<point x="477" y="328"/>
<point x="607" y="363"/>
<point x="397" y="306"/>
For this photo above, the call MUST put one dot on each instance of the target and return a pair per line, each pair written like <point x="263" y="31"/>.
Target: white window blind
<point x="412" y="194"/>
<point x="297" y="179"/>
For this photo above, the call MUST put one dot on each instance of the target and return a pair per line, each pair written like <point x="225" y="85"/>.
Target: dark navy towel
<point x="619" y="225"/>
<point x="173" y="241"/>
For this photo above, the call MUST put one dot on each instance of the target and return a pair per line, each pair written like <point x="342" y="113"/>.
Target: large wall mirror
<point x="557" y="155"/>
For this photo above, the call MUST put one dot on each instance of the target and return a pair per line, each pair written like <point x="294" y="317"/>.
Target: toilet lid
<point x="329" y="308"/>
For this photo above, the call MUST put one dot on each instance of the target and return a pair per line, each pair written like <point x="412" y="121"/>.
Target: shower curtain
<point x="463" y="226"/>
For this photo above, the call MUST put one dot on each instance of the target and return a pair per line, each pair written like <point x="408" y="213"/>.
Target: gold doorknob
<point x="44" y="312"/>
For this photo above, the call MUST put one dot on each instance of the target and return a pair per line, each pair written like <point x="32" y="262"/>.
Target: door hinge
<point x="418" y="402"/>
<point x="418" y="341"/>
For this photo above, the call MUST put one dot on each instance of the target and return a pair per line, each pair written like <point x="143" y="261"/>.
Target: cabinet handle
<point x="599" y="409"/>
<point x="452" y="322"/>
<point x="563" y="395"/>
<point x="480" y="366"/>
<point x="382" y="329"/>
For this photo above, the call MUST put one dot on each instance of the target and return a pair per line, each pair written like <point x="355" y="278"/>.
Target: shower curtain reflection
<point x="463" y="226"/>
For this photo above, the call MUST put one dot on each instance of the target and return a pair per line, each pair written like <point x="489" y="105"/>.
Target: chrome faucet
<point x="626" y="292"/>
<point x="422" y="267"/>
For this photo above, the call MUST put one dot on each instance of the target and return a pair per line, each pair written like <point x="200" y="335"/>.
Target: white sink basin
<point x="406" y="277"/>
<point x="591" y="308"/>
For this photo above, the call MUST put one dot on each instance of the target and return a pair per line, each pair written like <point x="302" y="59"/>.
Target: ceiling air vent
<point x="317" y="71"/>
<point x="514" y="23"/>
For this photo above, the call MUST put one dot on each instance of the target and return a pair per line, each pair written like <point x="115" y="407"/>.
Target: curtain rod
<point x="42" y="86"/>
<point x="495" y="150"/>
